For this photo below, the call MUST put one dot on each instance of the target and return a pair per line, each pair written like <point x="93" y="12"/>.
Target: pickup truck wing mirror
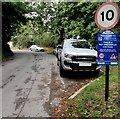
<point x="59" y="47"/>
<point x="94" y="48"/>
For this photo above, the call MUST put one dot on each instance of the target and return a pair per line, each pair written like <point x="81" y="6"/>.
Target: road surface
<point x="25" y="84"/>
<point x="31" y="85"/>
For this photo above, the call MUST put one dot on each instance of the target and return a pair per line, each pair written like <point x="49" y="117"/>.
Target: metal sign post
<point x="107" y="84"/>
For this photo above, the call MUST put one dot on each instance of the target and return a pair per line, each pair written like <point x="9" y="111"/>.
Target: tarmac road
<point x="31" y="85"/>
<point x="25" y="84"/>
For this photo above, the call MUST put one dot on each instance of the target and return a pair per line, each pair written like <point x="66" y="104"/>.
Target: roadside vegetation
<point x="90" y="102"/>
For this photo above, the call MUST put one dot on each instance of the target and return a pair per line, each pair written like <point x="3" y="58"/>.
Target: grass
<point x="90" y="102"/>
<point x="49" y="50"/>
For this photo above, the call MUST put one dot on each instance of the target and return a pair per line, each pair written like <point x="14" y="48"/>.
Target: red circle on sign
<point x="114" y="23"/>
<point x="101" y="55"/>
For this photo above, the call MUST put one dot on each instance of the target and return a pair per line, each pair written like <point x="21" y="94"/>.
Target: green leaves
<point x="32" y="33"/>
<point x="12" y="15"/>
<point x="76" y="18"/>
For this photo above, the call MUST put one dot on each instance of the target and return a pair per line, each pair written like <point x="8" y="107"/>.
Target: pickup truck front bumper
<point x="68" y="64"/>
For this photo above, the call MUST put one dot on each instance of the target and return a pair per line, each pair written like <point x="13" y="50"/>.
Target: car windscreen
<point x="77" y="44"/>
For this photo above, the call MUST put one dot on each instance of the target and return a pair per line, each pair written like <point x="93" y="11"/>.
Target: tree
<point x="30" y="34"/>
<point x="38" y="28"/>
<point x="76" y="18"/>
<point x="12" y="15"/>
<point x="25" y="36"/>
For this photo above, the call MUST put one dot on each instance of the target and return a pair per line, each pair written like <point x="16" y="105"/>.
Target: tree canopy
<point x="12" y="14"/>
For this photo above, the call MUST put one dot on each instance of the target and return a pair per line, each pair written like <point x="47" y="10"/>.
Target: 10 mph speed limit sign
<point x="107" y="15"/>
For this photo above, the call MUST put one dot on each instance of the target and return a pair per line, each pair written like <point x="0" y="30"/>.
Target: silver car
<point x="77" y="55"/>
<point x="35" y="48"/>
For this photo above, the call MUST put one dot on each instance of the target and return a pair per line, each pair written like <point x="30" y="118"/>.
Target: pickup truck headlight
<point x="67" y="55"/>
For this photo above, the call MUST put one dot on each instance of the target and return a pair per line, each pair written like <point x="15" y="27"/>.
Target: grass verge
<point x="90" y="102"/>
<point x="49" y="50"/>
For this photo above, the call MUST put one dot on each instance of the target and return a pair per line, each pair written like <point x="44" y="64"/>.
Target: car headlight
<point x="67" y="55"/>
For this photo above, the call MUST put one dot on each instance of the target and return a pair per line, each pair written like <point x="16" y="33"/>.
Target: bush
<point x="27" y="36"/>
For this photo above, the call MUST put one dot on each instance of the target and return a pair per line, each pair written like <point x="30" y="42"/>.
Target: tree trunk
<point x="6" y="51"/>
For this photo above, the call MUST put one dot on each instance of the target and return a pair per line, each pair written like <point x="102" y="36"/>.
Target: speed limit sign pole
<point x="106" y="17"/>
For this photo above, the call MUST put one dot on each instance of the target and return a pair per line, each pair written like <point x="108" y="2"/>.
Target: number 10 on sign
<point x="109" y="15"/>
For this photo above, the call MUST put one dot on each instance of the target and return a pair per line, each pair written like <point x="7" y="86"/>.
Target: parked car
<point x="35" y="48"/>
<point x="77" y="55"/>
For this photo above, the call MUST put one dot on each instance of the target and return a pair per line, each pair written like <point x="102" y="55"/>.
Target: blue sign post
<point x="107" y="54"/>
<point x="108" y="49"/>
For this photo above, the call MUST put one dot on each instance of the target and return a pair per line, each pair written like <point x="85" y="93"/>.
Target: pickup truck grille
<point x="83" y="58"/>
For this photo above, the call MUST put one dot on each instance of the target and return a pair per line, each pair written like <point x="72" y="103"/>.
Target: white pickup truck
<point x="77" y="55"/>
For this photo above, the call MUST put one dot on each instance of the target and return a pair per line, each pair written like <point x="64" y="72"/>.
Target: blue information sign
<point x="107" y="49"/>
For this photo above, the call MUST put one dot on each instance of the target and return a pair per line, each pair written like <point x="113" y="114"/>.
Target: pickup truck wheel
<point x="62" y="71"/>
<point x="58" y="63"/>
<point x="97" y="72"/>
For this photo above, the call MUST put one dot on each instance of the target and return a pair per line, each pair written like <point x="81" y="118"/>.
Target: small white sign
<point x="84" y="64"/>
